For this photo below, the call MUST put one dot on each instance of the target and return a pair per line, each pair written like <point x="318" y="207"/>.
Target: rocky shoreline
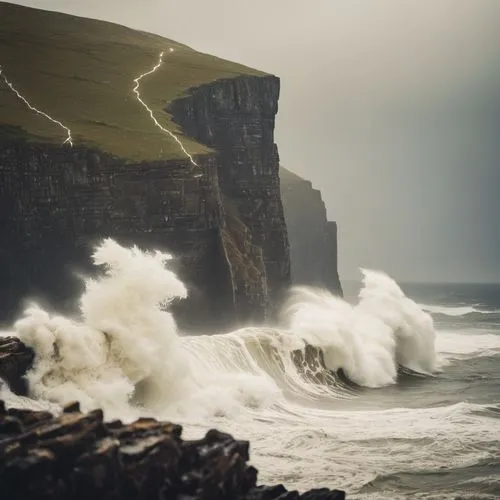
<point x="80" y="456"/>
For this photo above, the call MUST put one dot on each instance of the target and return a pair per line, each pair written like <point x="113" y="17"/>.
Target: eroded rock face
<point x="79" y="456"/>
<point x="15" y="361"/>
<point x="236" y="117"/>
<point x="227" y="227"/>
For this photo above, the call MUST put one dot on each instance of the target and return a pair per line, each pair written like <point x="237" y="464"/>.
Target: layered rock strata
<point x="226" y="228"/>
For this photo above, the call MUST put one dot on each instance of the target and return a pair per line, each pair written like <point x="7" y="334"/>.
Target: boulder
<point x="15" y="360"/>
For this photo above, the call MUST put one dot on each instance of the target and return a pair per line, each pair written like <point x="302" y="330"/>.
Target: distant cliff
<point x="313" y="239"/>
<point x="123" y="178"/>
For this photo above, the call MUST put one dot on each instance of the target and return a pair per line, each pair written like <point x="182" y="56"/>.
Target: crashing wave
<point x="125" y="339"/>
<point x="369" y="340"/>
<point x="125" y="352"/>
<point x="455" y="311"/>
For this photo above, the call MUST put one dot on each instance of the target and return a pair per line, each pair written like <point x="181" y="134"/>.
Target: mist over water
<point x="279" y="387"/>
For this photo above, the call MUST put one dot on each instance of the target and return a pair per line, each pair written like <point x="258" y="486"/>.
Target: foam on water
<point x="466" y="345"/>
<point x="455" y="311"/>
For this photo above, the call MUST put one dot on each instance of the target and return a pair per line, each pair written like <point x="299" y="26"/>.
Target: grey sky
<point x="390" y="107"/>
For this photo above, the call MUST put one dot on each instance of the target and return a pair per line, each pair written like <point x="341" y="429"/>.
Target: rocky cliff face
<point x="226" y="227"/>
<point x="313" y="239"/>
<point x="236" y="117"/>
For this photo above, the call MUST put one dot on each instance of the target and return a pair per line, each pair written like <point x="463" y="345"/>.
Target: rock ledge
<point x="79" y="456"/>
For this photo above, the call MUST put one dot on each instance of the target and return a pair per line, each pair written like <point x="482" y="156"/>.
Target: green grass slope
<point x="80" y="71"/>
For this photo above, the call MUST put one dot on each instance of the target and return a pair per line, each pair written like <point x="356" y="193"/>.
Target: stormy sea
<point x="390" y="393"/>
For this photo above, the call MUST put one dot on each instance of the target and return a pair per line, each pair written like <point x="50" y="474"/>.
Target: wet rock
<point x="29" y="418"/>
<point x="266" y="492"/>
<point x="73" y="407"/>
<point x="78" y="456"/>
<point x="323" y="494"/>
<point x="15" y="360"/>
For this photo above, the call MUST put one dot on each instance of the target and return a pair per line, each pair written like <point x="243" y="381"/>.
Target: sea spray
<point x="370" y="339"/>
<point x="124" y="354"/>
<point x="125" y="344"/>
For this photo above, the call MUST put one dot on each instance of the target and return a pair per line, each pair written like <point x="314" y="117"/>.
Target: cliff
<point x="236" y="119"/>
<point x="313" y="239"/>
<point x="124" y="177"/>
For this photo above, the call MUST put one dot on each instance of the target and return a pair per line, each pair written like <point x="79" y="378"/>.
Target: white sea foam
<point x="454" y="311"/>
<point x="125" y="344"/>
<point x="465" y="345"/>
<point x="370" y="339"/>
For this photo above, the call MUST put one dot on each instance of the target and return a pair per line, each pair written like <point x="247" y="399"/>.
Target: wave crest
<point x="368" y="340"/>
<point x="125" y="352"/>
<point x="124" y="338"/>
<point x="456" y="311"/>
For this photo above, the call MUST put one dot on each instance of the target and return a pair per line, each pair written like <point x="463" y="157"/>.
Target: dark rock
<point x="323" y="494"/>
<point x="77" y="456"/>
<point x="289" y="495"/>
<point x="73" y="407"/>
<point x="266" y="492"/>
<point x="236" y="118"/>
<point x="10" y="426"/>
<point x="29" y="418"/>
<point x="15" y="361"/>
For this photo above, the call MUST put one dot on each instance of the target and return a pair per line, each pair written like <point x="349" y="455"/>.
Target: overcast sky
<point x="390" y="107"/>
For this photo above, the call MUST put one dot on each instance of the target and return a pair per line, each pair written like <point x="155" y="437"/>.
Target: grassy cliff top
<point x="81" y="72"/>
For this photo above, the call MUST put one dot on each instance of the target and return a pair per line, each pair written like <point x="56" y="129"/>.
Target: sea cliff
<point x="226" y="227"/>
<point x="124" y="178"/>
<point x="313" y="238"/>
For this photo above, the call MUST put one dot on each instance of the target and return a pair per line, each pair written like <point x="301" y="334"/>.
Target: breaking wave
<point x="125" y="346"/>
<point x="455" y="311"/>
<point x="452" y="345"/>
<point x="370" y="339"/>
<point x="125" y="354"/>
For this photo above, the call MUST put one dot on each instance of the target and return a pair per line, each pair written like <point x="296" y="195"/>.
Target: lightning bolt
<point x="137" y="82"/>
<point x="69" y="139"/>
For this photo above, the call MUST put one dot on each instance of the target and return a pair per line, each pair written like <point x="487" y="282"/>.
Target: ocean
<point x="414" y="412"/>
